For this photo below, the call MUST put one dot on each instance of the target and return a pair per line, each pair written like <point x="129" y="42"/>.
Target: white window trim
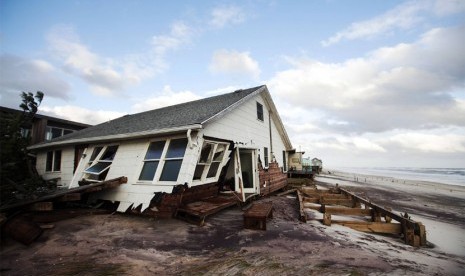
<point x="52" y="169"/>
<point x="203" y="179"/>
<point x="161" y="163"/>
<point x="97" y="160"/>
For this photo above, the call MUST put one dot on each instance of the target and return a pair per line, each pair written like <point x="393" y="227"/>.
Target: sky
<point x="356" y="83"/>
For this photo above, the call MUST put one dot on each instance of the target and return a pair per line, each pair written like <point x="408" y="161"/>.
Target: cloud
<point x="111" y="75"/>
<point x="430" y="142"/>
<point x="180" y="34"/>
<point x="404" y="16"/>
<point x="404" y="86"/>
<point x="168" y="97"/>
<point x="19" y="74"/>
<point x="79" y="114"/>
<point x="106" y="76"/>
<point x="234" y="63"/>
<point x="222" y="16"/>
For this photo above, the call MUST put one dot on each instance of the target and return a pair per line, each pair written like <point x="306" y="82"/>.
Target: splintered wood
<point x="362" y="215"/>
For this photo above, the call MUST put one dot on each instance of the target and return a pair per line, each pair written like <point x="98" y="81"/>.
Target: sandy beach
<point x="116" y="244"/>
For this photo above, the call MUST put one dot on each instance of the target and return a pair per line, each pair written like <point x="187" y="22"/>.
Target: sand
<point x="120" y="244"/>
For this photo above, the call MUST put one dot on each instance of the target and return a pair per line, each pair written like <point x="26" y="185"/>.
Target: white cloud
<point x="234" y="63"/>
<point x="79" y="114"/>
<point x="404" y="16"/>
<point x="19" y="74"/>
<point x="167" y="98"/>
<point x="404" y="86"/>
<point x="180" y="34"/>
<point x="222" y="16"/>
<point x="106" y="76"/>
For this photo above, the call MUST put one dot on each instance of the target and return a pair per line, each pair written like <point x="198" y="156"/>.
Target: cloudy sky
<point x="357" y="83"/>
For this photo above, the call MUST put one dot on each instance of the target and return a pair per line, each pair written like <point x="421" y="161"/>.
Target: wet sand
<point x="129" y="245"/>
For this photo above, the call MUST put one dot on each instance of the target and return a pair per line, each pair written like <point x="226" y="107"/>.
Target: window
<point x="173" y="160"/>
<point x="100" y="162"/>
<point x="211" y="157"/>
<point x="168" y="154"/>
<point x="53" y="161"/>
<point x="260" y="111"/>
<point x="55" y="132"/>
<point x="151" y="160"/>
<point x="265" y="154"/>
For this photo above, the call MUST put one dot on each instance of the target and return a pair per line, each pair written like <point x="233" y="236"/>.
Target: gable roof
<point x="180" y="117"/>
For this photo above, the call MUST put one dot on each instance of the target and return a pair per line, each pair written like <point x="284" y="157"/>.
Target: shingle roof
<point x="185" y="114"/>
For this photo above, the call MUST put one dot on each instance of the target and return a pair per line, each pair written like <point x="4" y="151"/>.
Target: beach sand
<point x="130" y="245"/>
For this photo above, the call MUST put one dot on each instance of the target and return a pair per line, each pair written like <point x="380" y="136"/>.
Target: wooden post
<point x="327" y="219"/>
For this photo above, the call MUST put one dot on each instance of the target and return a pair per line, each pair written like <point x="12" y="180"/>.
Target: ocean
<point x="452" y="176"/>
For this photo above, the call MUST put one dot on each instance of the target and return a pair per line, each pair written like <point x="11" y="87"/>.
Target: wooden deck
<point x="255" y="217"/>
<point x="197" y="211"/>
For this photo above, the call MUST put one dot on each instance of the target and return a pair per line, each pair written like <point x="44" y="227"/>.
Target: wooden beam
<point x="41" y="206"/>
<point x="70" y="197"/>
<point x="347" y="211"/>
<point x="372" y="227"/>
<point x="303" y="215"/>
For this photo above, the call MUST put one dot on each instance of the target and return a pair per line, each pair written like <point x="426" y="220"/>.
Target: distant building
<point x="317" y="165"/>
<point x="44" y="128"/>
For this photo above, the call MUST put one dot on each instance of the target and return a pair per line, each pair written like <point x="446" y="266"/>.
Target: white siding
<point x="242" y="126"/>
<point x="67" y="166"/>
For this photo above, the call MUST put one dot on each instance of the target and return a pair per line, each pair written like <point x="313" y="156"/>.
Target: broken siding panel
<point x="190" y="160"/>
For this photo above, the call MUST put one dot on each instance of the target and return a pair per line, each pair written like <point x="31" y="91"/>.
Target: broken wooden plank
<point x="119" y="180"/>
<point x="347" y="211"/>
<point x="70" y="197"/>
<point x="303" y="215"/>
<point x="372" y="227"/>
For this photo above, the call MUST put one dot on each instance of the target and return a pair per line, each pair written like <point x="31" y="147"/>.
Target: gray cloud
<point x="19" y="74"/>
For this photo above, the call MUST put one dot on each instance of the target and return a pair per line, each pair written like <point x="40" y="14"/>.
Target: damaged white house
<point x="226" y="139"/>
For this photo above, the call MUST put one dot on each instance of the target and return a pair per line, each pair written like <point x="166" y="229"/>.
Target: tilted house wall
<point x="205" y="132"/>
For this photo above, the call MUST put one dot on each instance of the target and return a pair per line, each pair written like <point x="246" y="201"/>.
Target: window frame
<point x="162" y="161"/>
<point x="211" y="161"/>
<point x="260" y="112"/>
<point x="51" y="164"/>
<point x="49" y="131"/>
<point x="97" y="159"/>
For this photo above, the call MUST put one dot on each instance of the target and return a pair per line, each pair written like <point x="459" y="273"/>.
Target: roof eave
<point x="116" y="137"/>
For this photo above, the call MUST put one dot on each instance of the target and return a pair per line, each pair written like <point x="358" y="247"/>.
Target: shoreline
<point x="438" y="206"/>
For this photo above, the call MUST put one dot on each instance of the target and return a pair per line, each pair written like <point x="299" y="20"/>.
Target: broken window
<point x="53" y="161"/>
<point x="210" y="159"/>
<point x="151" y="160"/>
<point x="101" y="160"/>
<point x="173" y="160"/>
<point x="259" y="111"/>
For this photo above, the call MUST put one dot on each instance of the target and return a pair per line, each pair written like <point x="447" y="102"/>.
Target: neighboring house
<point x="317" y="165"/>
<point x="223" y="139"/>
<point x="44" y="128"/>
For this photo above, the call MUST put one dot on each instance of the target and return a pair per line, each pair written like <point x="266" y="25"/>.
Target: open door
<point x="245" y="170"/>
